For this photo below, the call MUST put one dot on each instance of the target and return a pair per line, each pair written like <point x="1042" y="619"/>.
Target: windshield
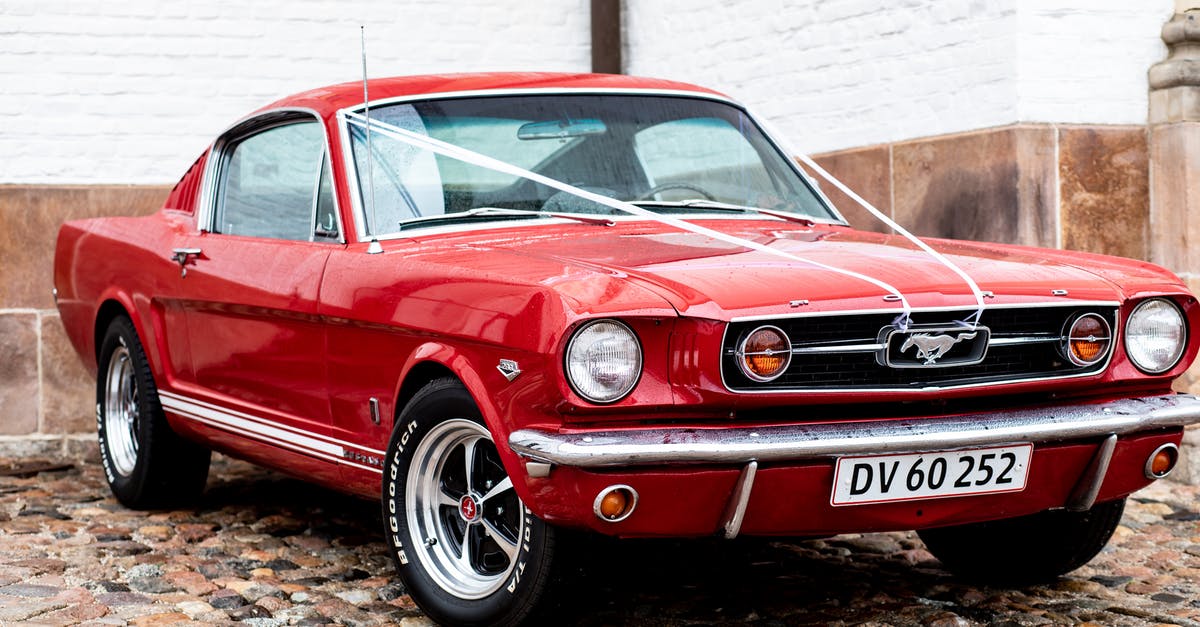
<point x="669" y="154"/>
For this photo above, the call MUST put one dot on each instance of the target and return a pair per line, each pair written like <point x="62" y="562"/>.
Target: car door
<point x="250" y="293"/>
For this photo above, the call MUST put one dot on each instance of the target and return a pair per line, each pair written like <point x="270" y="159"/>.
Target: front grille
<point x="834" y="351"/>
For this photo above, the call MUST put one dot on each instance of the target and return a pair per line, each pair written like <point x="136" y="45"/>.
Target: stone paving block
<point x="1151" y="563"/>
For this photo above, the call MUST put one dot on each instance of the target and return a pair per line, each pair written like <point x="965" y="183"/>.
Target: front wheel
<point x="1028" y="549"/>
<point x="464" y="544"/>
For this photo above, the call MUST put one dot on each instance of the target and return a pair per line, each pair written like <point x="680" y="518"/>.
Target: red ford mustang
<point x="505" y="304"/>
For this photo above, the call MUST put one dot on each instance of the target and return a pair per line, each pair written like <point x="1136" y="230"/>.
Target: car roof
<point x="328" y="100"/>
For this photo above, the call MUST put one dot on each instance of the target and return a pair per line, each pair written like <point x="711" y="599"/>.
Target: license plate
<point x="916" y="476"/>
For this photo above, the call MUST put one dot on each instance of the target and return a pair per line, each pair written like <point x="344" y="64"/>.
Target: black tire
<point x="1025" y="550"/>
<point x="147" y="465"/>
<point x="486" y="566"/>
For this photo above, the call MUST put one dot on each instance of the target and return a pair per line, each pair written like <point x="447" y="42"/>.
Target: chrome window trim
<point x="929" y="389"/>
<point x="210" y="182"/>
<point x="356" y="201"/>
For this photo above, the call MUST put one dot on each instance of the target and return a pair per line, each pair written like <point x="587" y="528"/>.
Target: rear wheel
<point x="147" y="465"/>
<point x="467" y="548"/>
<point x="1028" y="549"/>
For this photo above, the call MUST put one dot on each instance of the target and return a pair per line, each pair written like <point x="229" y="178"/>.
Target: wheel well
<point x="108" y="312"/>
<point x="420" y="375"/>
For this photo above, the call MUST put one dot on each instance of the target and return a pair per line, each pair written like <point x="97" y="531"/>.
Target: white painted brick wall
<point x="132" y="91"/>
<point x="836" y="74"/>
<point x="1087" y="61"/>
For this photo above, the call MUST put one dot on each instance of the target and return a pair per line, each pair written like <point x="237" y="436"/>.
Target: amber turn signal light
<point x="1088" y="340"/>
<point x="1162" y="461"/>
<point x="615" y="503"/>
<point x="765" y="353"/>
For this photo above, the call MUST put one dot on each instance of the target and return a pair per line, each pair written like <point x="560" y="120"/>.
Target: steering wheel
<point x="646" y="195"/>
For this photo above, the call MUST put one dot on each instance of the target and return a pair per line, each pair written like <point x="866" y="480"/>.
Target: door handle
<point x="181" y="257"/>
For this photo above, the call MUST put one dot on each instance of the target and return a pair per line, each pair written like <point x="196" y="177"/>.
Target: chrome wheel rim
<point x="464" y="517"/>
<point x="121" y="412"/>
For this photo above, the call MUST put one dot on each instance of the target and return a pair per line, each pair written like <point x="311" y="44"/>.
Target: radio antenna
<point x="373" y="248"/>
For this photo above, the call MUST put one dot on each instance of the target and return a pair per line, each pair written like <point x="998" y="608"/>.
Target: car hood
<point x="700" y="276"/>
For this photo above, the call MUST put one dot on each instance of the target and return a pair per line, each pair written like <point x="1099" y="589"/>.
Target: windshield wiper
<point x="713" y="205"/>
<point x="489" y="213"/>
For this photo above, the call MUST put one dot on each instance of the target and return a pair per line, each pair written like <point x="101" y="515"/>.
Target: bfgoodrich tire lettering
<point x="468" y="550"/>
<point x="147" y="465"/>
<point x="1029" y="549"/>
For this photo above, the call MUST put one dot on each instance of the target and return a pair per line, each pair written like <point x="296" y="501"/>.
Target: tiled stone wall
<point x="46" y="395"/>
<point x="1078" y="187"/>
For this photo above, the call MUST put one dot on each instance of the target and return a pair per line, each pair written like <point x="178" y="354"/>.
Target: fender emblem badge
<point x="509" y="369"/>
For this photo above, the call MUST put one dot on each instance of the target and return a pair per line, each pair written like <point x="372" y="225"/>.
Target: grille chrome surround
<point x="840" y="351"/>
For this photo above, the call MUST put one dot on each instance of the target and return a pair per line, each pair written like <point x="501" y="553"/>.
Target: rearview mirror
<point x="561" y="129"/>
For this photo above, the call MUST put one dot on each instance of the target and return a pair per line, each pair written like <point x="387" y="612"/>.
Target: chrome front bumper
<point x="738" y="445"/>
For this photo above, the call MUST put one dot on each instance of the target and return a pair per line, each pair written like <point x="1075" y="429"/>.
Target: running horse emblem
<point x="931" y="347"/>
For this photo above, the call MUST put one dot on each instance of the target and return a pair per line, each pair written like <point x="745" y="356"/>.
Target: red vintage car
<point x="505" y="304"/>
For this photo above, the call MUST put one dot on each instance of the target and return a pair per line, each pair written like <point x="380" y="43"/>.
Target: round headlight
<point x="765" y="353"/>
<point x="604" y="361"/>
<point x="1155" y="336"/>
<point x="1087" y="340"/>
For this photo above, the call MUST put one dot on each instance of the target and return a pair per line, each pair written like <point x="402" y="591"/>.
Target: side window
<point x="269" y="182"/>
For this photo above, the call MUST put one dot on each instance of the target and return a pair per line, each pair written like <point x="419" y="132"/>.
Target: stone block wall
<point x="1076" y="187"/>
<point x="46" y="394"/>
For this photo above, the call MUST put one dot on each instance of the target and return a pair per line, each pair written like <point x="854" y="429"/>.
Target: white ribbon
<point x="973" y="321"/>
<point x="474" y="158"/>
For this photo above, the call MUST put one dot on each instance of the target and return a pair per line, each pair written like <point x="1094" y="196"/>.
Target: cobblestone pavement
<point x="267" y="550"/>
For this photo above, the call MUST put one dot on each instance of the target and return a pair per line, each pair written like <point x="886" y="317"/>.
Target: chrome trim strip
<point x="897" y="311"/>
<point x="1083" y="496"/>
<point x="842" y="348"/>
<point x="543" y="91"/>
<point x="264" y="429"/>
<point x="735" y="511"/>
<point x="1028" y="339"/>
<point x="822" y="441"/>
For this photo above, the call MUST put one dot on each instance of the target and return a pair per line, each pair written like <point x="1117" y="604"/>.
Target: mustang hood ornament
<point x="936" y="346"/>
<point x="930" y="347"/>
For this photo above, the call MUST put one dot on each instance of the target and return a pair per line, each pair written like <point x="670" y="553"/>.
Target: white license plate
<point x="915" y="476"/>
